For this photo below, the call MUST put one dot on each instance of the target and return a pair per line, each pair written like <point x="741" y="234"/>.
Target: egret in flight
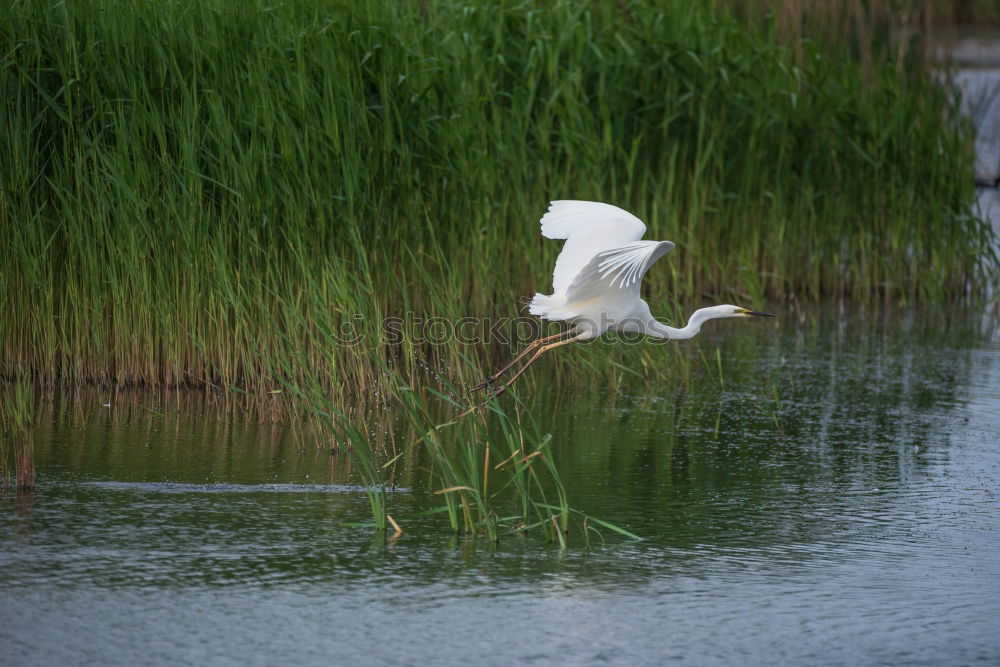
<point x="595" y="285"/>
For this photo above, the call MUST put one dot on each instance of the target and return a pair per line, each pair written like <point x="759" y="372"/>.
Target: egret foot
<point x="497" y="391"/>
<point x="485" y="383"/>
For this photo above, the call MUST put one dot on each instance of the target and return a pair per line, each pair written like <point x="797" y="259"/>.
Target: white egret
<point x="595" y="285"/>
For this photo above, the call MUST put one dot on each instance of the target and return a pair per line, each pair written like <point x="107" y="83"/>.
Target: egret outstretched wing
<point x="589" y="228"/>
<point x="616" y="271"/>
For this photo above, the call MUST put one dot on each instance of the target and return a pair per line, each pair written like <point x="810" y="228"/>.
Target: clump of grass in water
<point x="185" y="180"/>
<point x="466" y="466"/>
<point x="492" y="457"/>
<point x="481" y="466"/>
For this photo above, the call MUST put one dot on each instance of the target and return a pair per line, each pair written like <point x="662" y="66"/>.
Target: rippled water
<point x="831" y="499"/>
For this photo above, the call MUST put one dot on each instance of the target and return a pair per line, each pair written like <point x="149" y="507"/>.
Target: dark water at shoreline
<point x="831" y="499"/>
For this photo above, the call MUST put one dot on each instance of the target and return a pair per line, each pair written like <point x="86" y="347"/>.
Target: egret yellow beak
<point x="755" y="313"/>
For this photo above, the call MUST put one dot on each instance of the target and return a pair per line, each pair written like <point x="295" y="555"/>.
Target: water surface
<point x="829" y="498"/>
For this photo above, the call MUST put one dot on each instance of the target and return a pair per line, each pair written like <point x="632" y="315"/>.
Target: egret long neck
<point x="698" y="317"/>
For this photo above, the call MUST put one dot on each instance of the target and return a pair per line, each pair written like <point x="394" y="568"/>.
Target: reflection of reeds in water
<point x="17" y="464"/>
<point x="193" y="189"/>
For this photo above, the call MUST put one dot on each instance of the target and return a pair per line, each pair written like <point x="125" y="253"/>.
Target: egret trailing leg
<point x="520" y="355"/>
<point x="542" y="350"/>
<point x="496" y="391"/>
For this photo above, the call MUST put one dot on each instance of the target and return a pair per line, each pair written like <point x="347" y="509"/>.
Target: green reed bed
<point x="211" y="193"/>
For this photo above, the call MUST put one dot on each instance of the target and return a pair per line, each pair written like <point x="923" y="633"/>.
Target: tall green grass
<point x="206" y="192"/>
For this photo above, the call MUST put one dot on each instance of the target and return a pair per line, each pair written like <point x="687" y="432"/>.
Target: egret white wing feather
<point x="616" y="272"/>
<point x="589" y="228"/>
